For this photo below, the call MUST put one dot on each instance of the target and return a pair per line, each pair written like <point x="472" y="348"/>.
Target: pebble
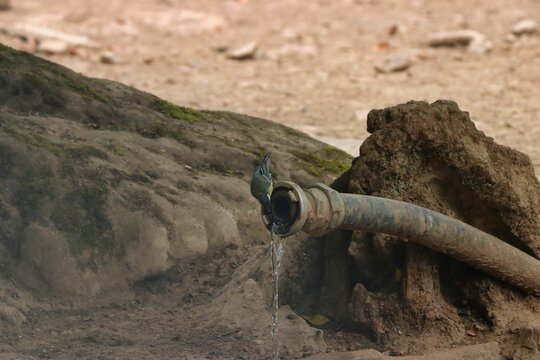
<point x="244" y="52"/>
<point x="42" y="33"/>
<point x="525" y="27"/>
<point x="474" y="41"/>
<point x="480" y="46"/>
<point x="453" y="38"/>
<point x="393" y="63"/>
<point x="52" y="46"/>
<point x="108" y="57"/>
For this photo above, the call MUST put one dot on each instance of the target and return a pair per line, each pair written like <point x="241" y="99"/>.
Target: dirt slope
<point x="106" y="189"/>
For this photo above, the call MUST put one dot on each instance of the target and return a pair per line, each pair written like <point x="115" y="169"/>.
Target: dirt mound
<point x="110" y="196"/>
<point x="393" y="291"/>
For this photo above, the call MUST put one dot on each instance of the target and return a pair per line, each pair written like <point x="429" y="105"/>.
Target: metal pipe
<point x="320" y="209"/>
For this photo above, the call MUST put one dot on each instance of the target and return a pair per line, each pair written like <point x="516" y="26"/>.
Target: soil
<point x="315" y="65"/>
<point x="314" y="70"/>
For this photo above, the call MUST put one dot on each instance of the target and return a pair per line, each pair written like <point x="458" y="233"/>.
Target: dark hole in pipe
<point x="284" y="211"/>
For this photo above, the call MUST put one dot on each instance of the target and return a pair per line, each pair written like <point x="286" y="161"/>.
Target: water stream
<point x="277" y="250"/>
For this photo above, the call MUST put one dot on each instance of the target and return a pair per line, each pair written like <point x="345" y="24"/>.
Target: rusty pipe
<point x="320" y="209"/>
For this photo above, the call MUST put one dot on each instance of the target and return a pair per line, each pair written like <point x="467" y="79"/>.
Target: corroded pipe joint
<point x="316" y="210"/>
<point x="328" y="210"/>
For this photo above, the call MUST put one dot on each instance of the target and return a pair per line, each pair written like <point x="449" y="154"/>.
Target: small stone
<point x="480" y="46"/>
<point x="453" y="38"/>
<point x="393" y="63"/>
<point x="392" y="29"/>
<point x="525" y="27"/>
<point x="108" y="57"/>
<point x="474" y="41"/>
<point x="471" y="333"/>
<point x="510" y="38"/>
<point x="52" y="46"/>
<point x="220" y="48"/>
<point x="244" y="52"/>
<point x="188" y="168"/>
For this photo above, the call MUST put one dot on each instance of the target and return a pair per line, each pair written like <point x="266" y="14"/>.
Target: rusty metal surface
<point x="324" y="209"/>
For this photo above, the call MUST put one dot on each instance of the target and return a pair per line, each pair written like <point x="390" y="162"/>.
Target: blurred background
<point x="318" y="66"/>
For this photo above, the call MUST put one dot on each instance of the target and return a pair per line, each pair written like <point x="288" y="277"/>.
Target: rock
<point x="525" y="27"/>
<point x="28" y="30"/>
<point x="52" y="47"/>
<point x="480" y="46"/>
<point x="474" y="41"/>
<point x="510" y="38"/>
<point x="182" y="22"/>
<point x="220" y="48"/>
<point x="393" y="63"/>
<point x="291" y="34"/>
<point x="453" y="38"/>
<point x="393" y="30"/>
<point x="244" y="52"/>
<point x="108" y="57"/>
<point x="481" y="162"/>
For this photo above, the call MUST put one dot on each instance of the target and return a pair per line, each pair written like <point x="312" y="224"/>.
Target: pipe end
<point x="287" y="205"/>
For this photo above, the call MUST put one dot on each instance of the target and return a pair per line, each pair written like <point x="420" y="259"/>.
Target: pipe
<point x="320" y="209"/>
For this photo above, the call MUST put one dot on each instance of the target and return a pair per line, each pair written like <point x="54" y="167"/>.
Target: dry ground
<point x="314" y="69"/>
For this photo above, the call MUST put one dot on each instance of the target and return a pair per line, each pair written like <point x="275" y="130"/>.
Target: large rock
<point x="392" y="290"/>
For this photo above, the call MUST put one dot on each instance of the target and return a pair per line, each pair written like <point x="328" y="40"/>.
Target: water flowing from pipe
<point x="277" y="250"/>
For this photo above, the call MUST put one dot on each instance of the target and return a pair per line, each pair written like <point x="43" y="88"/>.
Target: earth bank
<point x="128" y="231"/>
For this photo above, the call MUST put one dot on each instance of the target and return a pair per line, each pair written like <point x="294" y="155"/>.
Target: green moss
<point x="318" y="162"/>
<point x="82" y="88"/>
<point x="47" y="78"/>
<point x="160" y="128"/>
<point x="255" y="150"/>
<point x="175" y="111"/>
<point x="335" y="152"/>
<point x="50" y="93"/>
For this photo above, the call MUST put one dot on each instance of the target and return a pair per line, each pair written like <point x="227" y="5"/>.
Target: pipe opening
<point x="284" y="211"/>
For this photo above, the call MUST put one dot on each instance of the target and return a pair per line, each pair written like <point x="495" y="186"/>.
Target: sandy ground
<point x="314" y="70"/>
<point x="314" y="67"/>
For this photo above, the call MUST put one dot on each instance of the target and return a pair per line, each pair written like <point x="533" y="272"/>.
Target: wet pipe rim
<point x="297" y="202"/>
